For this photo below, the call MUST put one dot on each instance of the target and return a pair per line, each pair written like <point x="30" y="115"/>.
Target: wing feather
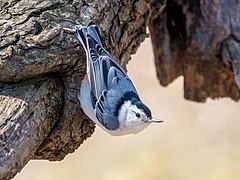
<point x="100" y="64"/>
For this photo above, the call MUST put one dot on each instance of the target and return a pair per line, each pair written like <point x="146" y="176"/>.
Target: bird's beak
<point x="153" y="120"/>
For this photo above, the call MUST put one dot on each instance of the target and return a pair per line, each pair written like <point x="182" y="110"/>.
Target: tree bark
<point x="41" y="68"/>
<point x="201" y="41"/>
<point x="28" y="112"/>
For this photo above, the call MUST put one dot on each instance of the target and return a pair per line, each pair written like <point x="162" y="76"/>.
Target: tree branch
<point x="41" y="60"/>
<point x="28" y="112"/>
<point x="199" y="40"/>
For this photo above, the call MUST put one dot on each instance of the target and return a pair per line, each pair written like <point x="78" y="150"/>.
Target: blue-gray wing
<point x="103" y="113"/>
<point x="107" y="106"/>
<point x="100" y="64"/>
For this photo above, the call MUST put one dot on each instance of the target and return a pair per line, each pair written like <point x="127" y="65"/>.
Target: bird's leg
<point x="85" y="77"/>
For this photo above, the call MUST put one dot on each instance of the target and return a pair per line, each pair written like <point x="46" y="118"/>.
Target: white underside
<point x="127" y="131"/>
<point x="85" y="101"/>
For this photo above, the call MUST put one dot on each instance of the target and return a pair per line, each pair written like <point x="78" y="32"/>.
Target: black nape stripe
<point x="145" y="109"/>
<point x="130" y="95"/>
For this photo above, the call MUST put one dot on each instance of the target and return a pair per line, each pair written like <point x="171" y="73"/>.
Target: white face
<point x="136" y="115"/>
<point x="132" y="120"/>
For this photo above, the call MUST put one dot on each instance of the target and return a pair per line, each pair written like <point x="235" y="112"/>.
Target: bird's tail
<point x="83" y="33"/>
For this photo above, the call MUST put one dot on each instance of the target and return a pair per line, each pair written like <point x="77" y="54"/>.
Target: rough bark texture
<point x="25" y="108"/>
<point x="201" y="41"/>
<point x="41" y="68"/>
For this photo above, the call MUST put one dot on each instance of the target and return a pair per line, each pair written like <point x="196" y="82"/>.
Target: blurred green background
<point x="196" y="141"/>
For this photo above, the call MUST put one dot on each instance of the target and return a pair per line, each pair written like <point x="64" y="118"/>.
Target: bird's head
<point x="135" y="116"/>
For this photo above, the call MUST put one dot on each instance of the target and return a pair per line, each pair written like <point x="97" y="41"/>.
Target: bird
<point x="107" y="95"/>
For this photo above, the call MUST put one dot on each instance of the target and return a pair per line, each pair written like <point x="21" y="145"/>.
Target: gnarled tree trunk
<point x="42" y="63"/>
<point x="201" y="41"/>
<point x="41" y="68"/>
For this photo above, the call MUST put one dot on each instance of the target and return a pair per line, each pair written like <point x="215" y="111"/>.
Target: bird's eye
<point x="138" y="115"/>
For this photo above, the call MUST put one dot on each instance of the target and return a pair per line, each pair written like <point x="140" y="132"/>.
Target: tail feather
<point x="81" y="37"/>
<point x="93" y="31"/>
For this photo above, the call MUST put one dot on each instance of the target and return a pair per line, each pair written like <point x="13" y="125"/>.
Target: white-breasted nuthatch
<point x="107" y="95"/>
